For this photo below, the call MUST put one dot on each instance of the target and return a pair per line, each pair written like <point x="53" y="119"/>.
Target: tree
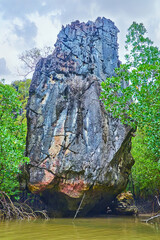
<point x="145" y="178"/>
<point x="132" y="95"/>
<point x="12" y="140"/>
<point x="22" y="88"/>
<point x="30" y="58"/>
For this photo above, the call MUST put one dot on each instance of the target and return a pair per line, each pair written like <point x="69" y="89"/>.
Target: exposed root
<point x="10" y="210"/>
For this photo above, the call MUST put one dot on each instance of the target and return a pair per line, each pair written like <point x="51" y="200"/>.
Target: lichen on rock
<point x="74" y="146"/>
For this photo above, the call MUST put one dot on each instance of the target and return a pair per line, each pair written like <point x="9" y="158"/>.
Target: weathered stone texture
<point x="73" y="145"/>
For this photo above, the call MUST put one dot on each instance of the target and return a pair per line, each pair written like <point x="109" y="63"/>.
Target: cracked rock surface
<point x="74" y="146"/>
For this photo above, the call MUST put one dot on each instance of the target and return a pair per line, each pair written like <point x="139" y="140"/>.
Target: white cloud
<point x="27" y="24"/>
<point x="44" y="4"/>
<point x="3" y="67"/>
<point x="27" y="30"/>
<point x="47" y="28"/>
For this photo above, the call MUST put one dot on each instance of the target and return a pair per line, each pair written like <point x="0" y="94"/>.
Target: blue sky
<point x="25" y="24"/>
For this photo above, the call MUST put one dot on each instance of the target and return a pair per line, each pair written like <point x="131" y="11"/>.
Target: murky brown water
<point x="81" y="229"/>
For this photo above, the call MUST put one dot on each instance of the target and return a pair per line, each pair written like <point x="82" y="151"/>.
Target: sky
<point x="25" y="24"/>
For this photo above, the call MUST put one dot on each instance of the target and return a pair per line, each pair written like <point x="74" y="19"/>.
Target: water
<point x="114" y="228"/>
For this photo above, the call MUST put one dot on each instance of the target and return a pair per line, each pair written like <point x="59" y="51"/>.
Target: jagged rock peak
<point x="81" y="49"/>
<point x="89" y="28"/>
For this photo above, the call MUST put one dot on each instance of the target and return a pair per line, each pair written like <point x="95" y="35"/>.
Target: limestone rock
<point x="73" y="144"/>
<point x="125" y="205"/>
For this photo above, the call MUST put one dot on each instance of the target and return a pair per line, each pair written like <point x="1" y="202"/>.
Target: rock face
<point x="124" y="204"/>
<point x="73" y="145"/>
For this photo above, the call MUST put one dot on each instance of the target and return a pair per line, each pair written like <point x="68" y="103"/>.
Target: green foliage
<point x="146" y="171"/>
<point x="12" y="140"/>
<point x="22" y="87"/>
<point x="132" y="95"/>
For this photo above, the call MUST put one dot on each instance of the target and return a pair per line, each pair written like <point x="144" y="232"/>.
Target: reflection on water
<point x="81" y="229"/>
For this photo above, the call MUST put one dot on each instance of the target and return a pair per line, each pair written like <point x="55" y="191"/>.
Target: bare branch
<point x="30" y="58"/>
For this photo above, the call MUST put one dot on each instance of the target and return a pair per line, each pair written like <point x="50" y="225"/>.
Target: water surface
<point x="81" y="229"/>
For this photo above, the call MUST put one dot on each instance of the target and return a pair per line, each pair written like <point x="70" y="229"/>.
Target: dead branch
<point x="157" y="200"/>
<point x="155" y="216"/>
<point x="151" y="218"/>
